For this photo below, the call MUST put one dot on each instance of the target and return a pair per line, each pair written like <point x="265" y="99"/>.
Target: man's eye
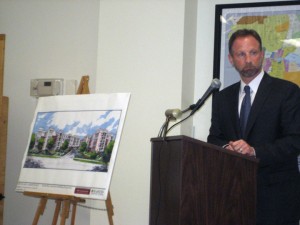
<point x="240" y="55"/>
<point x="243" y="54"/>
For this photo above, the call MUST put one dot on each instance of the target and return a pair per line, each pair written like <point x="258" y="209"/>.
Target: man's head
<point x="246" y="54"/>
<point x="243" y="33"/>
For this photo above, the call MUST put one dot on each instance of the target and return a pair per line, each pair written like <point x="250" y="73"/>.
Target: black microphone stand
<point x="164" y="129"/>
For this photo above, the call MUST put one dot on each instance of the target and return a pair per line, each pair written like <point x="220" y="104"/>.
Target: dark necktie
<point x="245" y="109"/>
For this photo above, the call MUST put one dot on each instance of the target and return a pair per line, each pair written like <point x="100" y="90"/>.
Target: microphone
<point x="215" y="85"/>
<point x="173" y="114"/>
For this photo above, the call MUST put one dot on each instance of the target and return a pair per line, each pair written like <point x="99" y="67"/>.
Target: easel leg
<point x="39" y="211"/>
<point x="109" y="208"/>
<point x="65" y="212"/>
<point x="73" y="213"/>
<point x="62" y="208"/>
<point x="56" y="212"/>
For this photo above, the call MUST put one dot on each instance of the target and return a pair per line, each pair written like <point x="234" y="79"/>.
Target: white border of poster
<point x="73" y="144"/>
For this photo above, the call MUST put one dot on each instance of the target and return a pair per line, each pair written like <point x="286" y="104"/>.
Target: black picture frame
<point x="243" y="10"/>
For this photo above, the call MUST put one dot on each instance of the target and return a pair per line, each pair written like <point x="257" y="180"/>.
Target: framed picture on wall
<point x="278" y="24"/>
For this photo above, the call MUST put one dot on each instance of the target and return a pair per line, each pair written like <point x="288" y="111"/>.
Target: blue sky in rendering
<point x="80" y="123"/>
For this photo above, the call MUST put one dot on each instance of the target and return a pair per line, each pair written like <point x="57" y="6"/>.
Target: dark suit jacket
<point x="273" y="129"/>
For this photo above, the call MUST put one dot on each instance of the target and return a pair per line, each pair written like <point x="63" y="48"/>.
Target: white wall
<point x="141" y="52"/>
<point x="143" y="46"/>
<point x="44" y="39"/>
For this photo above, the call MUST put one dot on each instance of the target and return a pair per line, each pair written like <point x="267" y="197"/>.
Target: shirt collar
<point x="253" y="84"/>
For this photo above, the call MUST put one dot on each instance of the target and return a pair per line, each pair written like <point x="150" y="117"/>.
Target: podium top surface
<point x="184" y="138"/>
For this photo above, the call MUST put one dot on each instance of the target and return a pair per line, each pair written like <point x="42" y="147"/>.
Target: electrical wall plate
<point x="70" y="87"/>
<point x="46" y="87"/>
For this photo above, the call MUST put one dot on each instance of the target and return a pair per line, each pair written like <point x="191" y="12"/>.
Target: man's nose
<point x="248" y="57"/>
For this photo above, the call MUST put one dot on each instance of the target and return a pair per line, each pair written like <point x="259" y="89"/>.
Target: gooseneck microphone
<point x="174" y="114"/>
<point x="215" y="85"/>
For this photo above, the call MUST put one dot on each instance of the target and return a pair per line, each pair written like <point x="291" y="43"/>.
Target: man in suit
<point x="271" y="133"/>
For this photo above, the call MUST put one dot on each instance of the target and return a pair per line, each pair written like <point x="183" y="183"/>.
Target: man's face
<point x="247" y="58"/>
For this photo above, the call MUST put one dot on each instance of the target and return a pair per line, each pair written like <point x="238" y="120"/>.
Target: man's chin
<point x="249" y="73"/>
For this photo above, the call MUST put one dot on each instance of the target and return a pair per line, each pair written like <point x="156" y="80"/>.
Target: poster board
<point x="73" y="144"/>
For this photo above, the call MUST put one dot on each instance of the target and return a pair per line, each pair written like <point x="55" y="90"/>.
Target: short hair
<point x="243" y="33"/>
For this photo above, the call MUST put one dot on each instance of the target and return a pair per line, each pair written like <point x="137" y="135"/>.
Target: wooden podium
<point x="196" y="183"/>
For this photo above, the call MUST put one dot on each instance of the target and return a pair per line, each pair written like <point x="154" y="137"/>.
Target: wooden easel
<point x="4" y="103"/>
<point x="63" y="202"/>
<point x="84" y="85"/>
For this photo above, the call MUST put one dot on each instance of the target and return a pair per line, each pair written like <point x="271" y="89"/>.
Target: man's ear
<point x="230" y="59"/>
<point x="263" y="53"/>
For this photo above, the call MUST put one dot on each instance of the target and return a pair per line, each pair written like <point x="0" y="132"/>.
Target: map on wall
<point x="279" y="28"/>
<point x="73" y="144"/>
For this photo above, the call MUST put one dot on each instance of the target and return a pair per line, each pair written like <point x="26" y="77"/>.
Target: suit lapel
<point x="259" y="101"/>
<point x="233" y="108"/>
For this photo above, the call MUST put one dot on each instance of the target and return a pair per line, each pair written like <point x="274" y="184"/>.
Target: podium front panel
<point x="196" y="183"/>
